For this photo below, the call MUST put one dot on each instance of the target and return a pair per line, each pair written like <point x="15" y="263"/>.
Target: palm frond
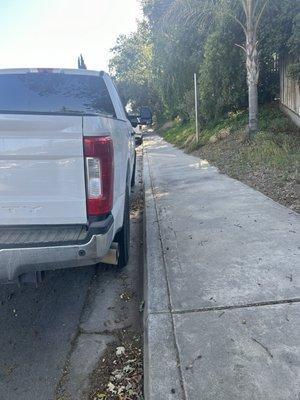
<point x="189" y="12"/>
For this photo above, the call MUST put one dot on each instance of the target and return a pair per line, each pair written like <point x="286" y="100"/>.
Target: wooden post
<point x="196" y="107"/>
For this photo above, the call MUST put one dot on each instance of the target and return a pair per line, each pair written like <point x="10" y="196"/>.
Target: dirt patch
<point x="251" y="164"/>
<point x="119" y="374"/>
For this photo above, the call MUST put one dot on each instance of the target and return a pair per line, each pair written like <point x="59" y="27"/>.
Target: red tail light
<point x="99" y="161"/>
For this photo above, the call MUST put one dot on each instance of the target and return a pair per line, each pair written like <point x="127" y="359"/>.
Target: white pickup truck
<point x="67" y="163"/>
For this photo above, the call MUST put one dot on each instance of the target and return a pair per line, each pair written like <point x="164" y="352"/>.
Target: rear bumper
<point x="15" y="261"/>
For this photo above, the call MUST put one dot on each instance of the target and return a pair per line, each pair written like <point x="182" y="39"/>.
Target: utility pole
<point x="196" y="107"/>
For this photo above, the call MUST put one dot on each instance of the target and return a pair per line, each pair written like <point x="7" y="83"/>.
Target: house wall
<point x="289" y="92"/>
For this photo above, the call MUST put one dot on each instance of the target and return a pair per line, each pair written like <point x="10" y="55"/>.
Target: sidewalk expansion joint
<point x="233" y="307"/>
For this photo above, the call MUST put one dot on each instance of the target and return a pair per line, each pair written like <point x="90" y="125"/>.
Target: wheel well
<point x="128" y="177"/>
<point x="127" y="187"/>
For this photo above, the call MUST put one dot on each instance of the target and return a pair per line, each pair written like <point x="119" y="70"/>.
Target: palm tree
<point x="253" y="10"/>
<point x="201" y="12"/>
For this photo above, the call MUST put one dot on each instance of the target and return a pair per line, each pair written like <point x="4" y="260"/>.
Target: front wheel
<point x="123" y="236"/>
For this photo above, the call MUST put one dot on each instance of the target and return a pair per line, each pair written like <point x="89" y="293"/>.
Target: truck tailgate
<point x="41" y="170"/>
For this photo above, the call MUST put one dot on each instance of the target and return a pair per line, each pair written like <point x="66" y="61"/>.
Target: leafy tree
<point x="131" y="67"/>
<point x="294" y="48"/>
<point x="178" y="49"/>
<point x="275" y="31"/>
<point x="155" y="64"/>
<point x="222" y="73"/>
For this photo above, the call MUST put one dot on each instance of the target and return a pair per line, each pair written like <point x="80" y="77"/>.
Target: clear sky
<point x="52" y="33"/>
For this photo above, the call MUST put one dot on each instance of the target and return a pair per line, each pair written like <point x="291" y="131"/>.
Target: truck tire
<point x="123" y="236"/>
<point x="133" y="172"/>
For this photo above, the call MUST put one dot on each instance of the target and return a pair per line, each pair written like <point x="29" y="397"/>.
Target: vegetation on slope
<point x="270" y="163"/>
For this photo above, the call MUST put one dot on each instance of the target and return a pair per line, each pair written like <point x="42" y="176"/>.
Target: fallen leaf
<point x="120" y="351"/>
<point x="111" y="387"/>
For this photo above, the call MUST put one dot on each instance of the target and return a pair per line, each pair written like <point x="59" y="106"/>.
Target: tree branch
<point x="242" y="47"/>
<point x="244" y="6"/>
<point x="260" y="14"/>
<point x="255" y="7"/>
<point x="239" y="22"/>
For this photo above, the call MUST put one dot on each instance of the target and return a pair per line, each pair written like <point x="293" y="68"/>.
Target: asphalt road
<point x="52" y="336"/>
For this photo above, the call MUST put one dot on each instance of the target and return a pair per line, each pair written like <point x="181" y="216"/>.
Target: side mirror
<point x="133" y="119"/>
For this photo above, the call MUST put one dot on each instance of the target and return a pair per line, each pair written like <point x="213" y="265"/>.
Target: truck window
<point x="57" y="93"/>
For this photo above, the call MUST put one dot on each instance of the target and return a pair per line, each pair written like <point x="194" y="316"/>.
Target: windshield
<point x="54" y="93"/>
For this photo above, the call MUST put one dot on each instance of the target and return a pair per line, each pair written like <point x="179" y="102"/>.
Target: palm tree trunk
<point x="252" y="67"/>
<point x="253" y="109"/>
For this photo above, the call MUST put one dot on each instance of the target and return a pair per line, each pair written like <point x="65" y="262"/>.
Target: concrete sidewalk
<point x="222" y="293"/>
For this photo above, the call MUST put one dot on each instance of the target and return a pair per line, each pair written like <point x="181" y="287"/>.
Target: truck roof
<point x="68" y="71"/>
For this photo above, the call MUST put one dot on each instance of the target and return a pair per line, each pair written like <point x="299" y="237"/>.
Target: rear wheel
<point x="123" y="236"/>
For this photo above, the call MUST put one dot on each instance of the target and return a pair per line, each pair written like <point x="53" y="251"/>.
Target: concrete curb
<point x="161" y="367"/>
